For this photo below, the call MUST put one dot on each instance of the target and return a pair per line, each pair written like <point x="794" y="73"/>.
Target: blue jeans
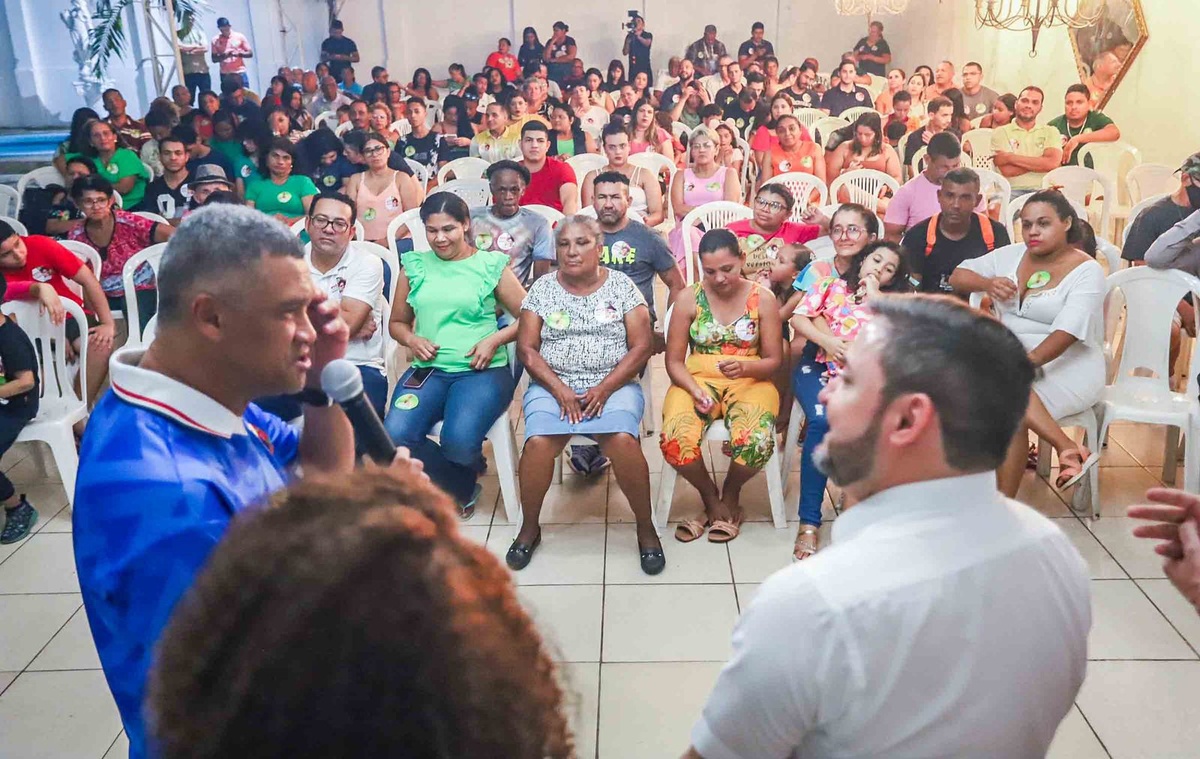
<point x="807" y="383"/>
<point x="467" y="403"/>
<point x="287" y="408"/>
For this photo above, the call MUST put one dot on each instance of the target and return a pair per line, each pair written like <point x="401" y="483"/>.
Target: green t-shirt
<point x="245" y="168"/>
<point x="124" y="163"/>
<point x="231" y="149"/>
<point x="1094" y="122"/>
<point x="271" y="198"/>
<point x="455" y="304"/>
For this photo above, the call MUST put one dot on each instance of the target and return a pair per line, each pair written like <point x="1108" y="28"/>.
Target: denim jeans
<point x="467" y="403"/>
<point x="807" y="383"/>
<point x="287" y="408"/>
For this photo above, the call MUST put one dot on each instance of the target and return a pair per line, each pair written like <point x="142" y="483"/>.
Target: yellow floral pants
<point x="748" y="407"/>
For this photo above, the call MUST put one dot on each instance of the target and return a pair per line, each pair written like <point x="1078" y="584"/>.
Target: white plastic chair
<point x="850" y="115"/>
<point x="810" y="116"/>
<point x="679" y="129"/>
<point x="552" y="215"/>
<point x="17" y="226"/>
<point x="342" y="128"/>
<point x="715" y="215"/>
<point x="1148" y="179"/>
<point x="433" y="112"/>
<point x="657" y="164"/>
<point x="298" y="227"/>
<point x="421" y="172"/>
<point x="463" y="168"/>
<point x="153" y="257"/>
<point x="410" y="219"/>
<point x="1076" y="182"/>
<point x="584" y="164"/>
<point x="864" y="186"/>
<point x="590" y="212"/>
<point x="391" y="349"/>
<point x="802" y="186"/>
<point x="978" y="142"/>
<point x="326" y="119"/>
<point x="1110" y="253"/>
<point x="150" y="171"/>
<point x="824" y="129"/>
<point x="85" y="253"/>
<point x="996" y="188"/>
<point x="1151" y="297"/>
<point x="914" y="163"/>
<point x="1114" y="160"/>
<point x="476" y="192"/>
<point x="152" y="216"/>
<point x="401" y="127"/>
<point x="1015" y="205"/>
<point x="41" y="177"/>
<point x="1136" y="211"/>
<point x="594" y="121"/>
<point x="10" y="201"/>
<point x="59" y="408"/>
<point x="717" y="432"/>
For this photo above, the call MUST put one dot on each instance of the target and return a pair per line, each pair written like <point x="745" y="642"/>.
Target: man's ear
<point x="207" y="314"/>
<point x="908" y="418"/>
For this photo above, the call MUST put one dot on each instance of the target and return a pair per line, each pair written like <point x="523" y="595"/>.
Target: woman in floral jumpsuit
<point x="734" y="332"/>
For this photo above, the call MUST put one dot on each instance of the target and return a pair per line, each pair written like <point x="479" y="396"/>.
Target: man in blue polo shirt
<point x="177" y="449"/>
<point x="847" y="94"/>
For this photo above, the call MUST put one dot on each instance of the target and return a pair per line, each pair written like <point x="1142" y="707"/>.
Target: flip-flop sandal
<point x="1076" y="473"/>
<point x="723" y="531"/>
<point x="690" y="529"/>
<point x="803" y="549"/>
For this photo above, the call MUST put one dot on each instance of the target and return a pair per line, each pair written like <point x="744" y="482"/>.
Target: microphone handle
<point x="369" y="430"/>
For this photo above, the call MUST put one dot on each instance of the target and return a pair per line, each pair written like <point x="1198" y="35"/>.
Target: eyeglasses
<point x="851" y="231"/>
<point x="94" y="202"/>
<point x="769" y="205"/>
<point x="324" y="222"/>
<point x="374" y="151"/>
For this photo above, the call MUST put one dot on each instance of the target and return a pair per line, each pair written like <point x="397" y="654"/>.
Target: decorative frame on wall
<point x="1105" y="50"/>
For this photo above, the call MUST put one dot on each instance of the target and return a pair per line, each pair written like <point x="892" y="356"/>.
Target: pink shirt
<point x="844" y="312"/>
<point x="236" y="42"/>
<point x="917" y="201"/>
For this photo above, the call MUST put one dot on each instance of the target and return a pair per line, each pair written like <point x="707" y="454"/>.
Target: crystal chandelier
<point x="869" y="7"/>
<point x="1035" y="15"/>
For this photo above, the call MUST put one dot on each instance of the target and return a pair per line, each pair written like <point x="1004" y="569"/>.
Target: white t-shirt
<point x="358" y="275"/>
<point x="944" y="621"/>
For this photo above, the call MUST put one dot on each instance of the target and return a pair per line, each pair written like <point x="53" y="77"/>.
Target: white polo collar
<point x="342" y="263"/>
<point x="171" y="398"/>
<point x="968" y="491"/>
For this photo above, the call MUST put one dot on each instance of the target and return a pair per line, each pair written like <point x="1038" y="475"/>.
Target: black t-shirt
<point x="161" y="199"/>
<point x="17" y="355"/>
<point x="725" y="96"/>
<point x="748" y="47"/>
<point x="335" y="46"/>
<point x="527" y="54"/>
<point x="1151" y="223"/>
<point x="879" y="48"/>
<point x="247" y="111"/>
<point x="625" y="115"/>
<point x="836" y="100"/>
<point x="743" y="122"/>
<point x="639" y="54"/>
<point x="423" y="150"/>
<point x="671" y="95"/>
<point x="809" y="98"/>
<point x="947" y="254"/>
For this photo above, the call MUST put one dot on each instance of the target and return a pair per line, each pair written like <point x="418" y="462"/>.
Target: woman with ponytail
<point x="1051" y="295"/>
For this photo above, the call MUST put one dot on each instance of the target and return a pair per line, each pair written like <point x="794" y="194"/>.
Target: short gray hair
<point x="587" y="222"/>
<point x="214" y="243"/>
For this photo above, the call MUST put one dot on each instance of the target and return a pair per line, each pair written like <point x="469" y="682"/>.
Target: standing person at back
<point x="637" y="47"/>
<point x="945" y="620"/>
<point x="230" y="49"/>
<point x="873" y="52"/>
<point x="756" y="48"/>
<point x="338" y="50"/>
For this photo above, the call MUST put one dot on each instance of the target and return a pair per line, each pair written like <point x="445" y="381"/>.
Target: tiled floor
<point x="640" y="654"/>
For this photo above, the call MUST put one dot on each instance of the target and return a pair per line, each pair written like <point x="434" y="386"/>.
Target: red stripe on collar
<point x="147" y="402"/>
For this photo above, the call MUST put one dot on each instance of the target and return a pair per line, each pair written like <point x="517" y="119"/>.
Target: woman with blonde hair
<point x="704" y="181"/>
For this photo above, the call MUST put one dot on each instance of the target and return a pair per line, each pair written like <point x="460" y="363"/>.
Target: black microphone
<point x="341" y="381"/>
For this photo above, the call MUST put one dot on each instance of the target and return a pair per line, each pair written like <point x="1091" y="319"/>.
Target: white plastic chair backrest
<point x="585" y="163"/>
<point x="151" y="330"/>
<point x="824" y="129"/>
<point x="342" y="128"/>
<point x="1077" y="183"/>
<point x="88" y="255"/>
<point x="749" y="170"/>
<point x="420" y="171"/>
<point x="864" y="186"/>
<point x="120" y="202"/>
<point x="476" y="192"/>
<point x="390" y="260"/>
<point x="979" y="141"/>
<point x="552" y="215"/>
<point x="433" y="113"/>
<point x="57" y="390"/>
<point x="152" y="256"/>
<point x="679" y="129"/>
<point x="10" y="201"/>
<point x="594" y="120"/>
<point x="1136" y="211"/>
<point x="914" y="163"/>
<point x="463" y="168"/>
<point x="822" y="248"/>
<point x="151" y="216"/>
<point x="1017" y="204"/>
<point x="17" y="226"/>
<point x="149" y="171"/>
<point x="716" y="215"/>
<point x="40" y="177"/>
<point x="298" y="227"/>
<point x="401" y="127"/>
<point x="1151" y="297"/>
<point x="996" y="189"/>
<point x="1113" y="160"/>
<point x="416" y="230"/>
<point x="326" y="119"/>
<point x="1110" y="253"/>
<point x="850" y="115"/>
<point x="1148" y="179"/>
<point x="802" y="186"/>
<point x="810" y="116"/>
<point x="655" y="162"/>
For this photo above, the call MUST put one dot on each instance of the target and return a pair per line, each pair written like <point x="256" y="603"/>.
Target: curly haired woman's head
<point x="350" y="619"/>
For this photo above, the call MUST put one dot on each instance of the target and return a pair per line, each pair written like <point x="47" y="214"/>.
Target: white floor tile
<point x="577" y="500"/>
<point x="1075" y="739"/>
<point x="58" y="715"/>
<point x="647" y="710"/>
<point x="1101" y="565"/>
<point x="72" y="648"/>
<point x="1178" y="611"/>
<point x="475" y="532"/>
<point x="6" y="679"/>
<point x="44" y="564"/>
<point x="49" y="521"/>
<point x="120" y="748"/>
<point x="746" y="593"/>
<point x="570" y="554"/>
<point x="1144" y="709"/>
<point x="651" y="623"/>
<point x="1035" y="492"/>
<point x="568" y="617"/>
<point x="1125" y="625"/>
<point x="28" y="623"/>
<point x="695" y="562"/>
<point x="1124" y="486"/>
<point x="581" y="700"/>
<point x="761" y="550"/>
<point x="50" y="500"/>
<point x="1135" y="555"/>
<point x="1145" y="442"/>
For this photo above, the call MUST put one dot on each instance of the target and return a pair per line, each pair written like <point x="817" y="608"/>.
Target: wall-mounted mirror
<point x="1105" y="50"/>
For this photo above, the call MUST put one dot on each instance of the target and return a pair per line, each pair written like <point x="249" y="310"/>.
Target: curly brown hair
<point x="352" y="619"/>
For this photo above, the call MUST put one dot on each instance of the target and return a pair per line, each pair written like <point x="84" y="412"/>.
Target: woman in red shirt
<point x="504" y="60"/>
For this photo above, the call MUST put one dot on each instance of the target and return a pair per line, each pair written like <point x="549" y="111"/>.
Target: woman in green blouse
<point x="120" y="166"/>
<point x="281" y="193"/>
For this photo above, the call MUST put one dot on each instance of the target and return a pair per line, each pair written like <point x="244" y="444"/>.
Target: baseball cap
<point x="209" y="173"/>
<point x="1191" y="166"/>
<point x="222" y="21"/>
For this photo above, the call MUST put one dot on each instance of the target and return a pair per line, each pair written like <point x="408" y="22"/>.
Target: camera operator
<point x="637" y="46"/>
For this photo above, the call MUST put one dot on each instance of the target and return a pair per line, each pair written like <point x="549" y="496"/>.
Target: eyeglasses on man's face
<point x="321" y="221"/>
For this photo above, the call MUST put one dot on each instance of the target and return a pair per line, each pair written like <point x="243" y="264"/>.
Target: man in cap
<point x="209" y="178"/>
<point x="230" y="49"/>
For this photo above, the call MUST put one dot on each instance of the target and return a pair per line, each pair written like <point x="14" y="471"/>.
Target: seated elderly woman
<point x="734" y="331"/>
<point x="1051" y="295"/>
<point x="444" y="311"/>
<point x="584" y="337"/>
